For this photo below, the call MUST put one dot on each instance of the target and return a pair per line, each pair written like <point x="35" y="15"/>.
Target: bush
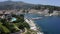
<point x="4" y="29"/>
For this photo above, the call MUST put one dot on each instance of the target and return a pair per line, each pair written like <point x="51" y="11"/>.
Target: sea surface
<point x="48" y="24"/>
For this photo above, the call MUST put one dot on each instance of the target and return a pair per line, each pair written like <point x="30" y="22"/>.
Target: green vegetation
<point x="4" y="29"/>
<point x="51" y="8"/>
<point x="7" y="27"/>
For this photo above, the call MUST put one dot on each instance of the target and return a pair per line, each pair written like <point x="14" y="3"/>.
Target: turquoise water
<point x="49" y="25"/>
<point x="13" y="19"/>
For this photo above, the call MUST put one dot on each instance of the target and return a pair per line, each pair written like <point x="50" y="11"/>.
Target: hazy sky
<point x="45" y="2"/>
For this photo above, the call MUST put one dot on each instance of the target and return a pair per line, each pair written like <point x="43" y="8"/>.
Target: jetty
<point x="37" y="18"/>
<point x="32" y="25"/>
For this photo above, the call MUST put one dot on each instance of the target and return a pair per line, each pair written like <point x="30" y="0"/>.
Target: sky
<point x="44" y="2"/>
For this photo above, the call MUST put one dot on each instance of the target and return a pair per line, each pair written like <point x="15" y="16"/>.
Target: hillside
<point x="19" y="4"/>
<point x="14" y="5"/>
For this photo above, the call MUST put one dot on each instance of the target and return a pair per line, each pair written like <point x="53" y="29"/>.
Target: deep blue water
<point x="49" y="25"/>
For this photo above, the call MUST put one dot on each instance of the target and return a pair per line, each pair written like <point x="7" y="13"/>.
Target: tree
<point x="51" y="10"/>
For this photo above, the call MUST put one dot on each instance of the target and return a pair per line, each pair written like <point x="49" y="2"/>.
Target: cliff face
<point x="45" y="12"/>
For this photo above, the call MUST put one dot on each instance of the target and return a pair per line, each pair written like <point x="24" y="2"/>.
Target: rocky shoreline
<point x="44" y="12"/>
<point x="33" y="25"/>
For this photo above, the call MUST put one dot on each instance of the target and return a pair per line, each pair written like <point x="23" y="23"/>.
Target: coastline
<point x="32" y="25"/>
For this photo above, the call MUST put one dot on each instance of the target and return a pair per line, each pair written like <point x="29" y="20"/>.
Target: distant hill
<point x="14" y="5"/>
<point x="18" y="5"/>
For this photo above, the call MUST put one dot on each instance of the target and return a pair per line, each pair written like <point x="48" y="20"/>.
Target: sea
<point x="47" y="24"/>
